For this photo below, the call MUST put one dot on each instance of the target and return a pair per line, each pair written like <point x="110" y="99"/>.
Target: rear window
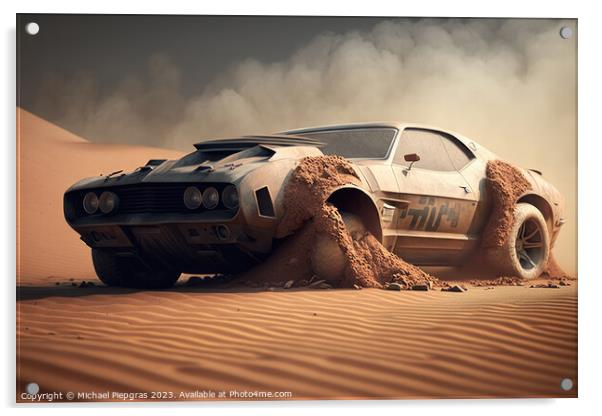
<point x="373" y="143"/>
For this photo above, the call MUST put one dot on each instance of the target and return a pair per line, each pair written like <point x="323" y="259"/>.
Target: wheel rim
<point x="530" y="244"/>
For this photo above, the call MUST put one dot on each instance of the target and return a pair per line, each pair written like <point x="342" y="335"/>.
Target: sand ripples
<point x="510" y="342"/>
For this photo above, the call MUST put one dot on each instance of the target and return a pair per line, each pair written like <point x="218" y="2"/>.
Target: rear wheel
<point x="113" y="270"/>
<point x="527" y="249"/>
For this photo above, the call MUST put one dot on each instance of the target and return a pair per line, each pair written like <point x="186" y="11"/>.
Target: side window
<point x="428" y="145"/>
<point x="457" y="152"/>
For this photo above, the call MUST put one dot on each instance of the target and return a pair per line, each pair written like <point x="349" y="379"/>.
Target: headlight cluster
<point x="210" y="197"/>
<point x="106" y="203"/>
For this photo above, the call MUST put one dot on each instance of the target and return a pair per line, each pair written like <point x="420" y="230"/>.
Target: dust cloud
<point x="508" y="84"/>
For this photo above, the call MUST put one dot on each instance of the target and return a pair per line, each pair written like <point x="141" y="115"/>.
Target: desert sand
<point x="316" y="344"/>
<point x="506" y="341"/>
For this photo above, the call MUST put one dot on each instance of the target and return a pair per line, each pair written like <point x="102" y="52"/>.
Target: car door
<point x="435" y="205"/>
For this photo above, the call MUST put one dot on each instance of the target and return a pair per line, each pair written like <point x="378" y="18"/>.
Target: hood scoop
<point x="150" y="165"/>
<point x="204" y="168"/>
<point x="155" y="162"/>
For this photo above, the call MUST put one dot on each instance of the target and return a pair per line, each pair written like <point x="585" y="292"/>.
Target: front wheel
<point x="526" y="251"/>
<point x="113" y="270"/>
<point x="327" y="258"/>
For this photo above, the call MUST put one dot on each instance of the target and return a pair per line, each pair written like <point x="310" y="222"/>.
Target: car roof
<point x="386" y="124"/>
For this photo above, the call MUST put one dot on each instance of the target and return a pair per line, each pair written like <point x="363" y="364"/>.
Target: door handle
<point x="466" y="189"/>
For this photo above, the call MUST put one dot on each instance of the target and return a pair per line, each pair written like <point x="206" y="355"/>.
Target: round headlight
<point x="192" y="197"/>
<point x="230" y="197"/>
<point x="210" y="198"/>
<point x="108" y="202"/>
<point x="90" y="203"/>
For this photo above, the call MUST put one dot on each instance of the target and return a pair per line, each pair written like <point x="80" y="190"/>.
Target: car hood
<point x="204" y="165"/>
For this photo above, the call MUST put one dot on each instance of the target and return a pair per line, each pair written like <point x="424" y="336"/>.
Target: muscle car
<point x="421" y="193"/>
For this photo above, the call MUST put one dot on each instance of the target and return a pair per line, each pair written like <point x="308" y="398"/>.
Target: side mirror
<point x="412" y="158"/>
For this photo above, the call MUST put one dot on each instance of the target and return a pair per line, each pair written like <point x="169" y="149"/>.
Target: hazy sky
<point x="509" y="84"/>
<point x="115" y="46"/>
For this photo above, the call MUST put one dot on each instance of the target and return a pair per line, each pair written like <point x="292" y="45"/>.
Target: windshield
<point x="370" y="143"/>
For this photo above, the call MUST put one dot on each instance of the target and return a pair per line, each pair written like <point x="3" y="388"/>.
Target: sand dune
<point x="505" y="342"/>
<point x="50" y="160"/>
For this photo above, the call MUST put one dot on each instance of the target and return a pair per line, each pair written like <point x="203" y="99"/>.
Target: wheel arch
<point x="542" y="205"/>
<point x="356" y="201"/>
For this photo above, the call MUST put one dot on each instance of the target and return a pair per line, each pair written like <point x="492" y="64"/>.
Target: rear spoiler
<point x="246" y="142"/>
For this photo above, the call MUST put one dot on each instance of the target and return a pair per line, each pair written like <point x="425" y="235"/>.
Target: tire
<point x="327" y="259"/>
<point x="527" y="249"/>
<point x="113" y="270"/>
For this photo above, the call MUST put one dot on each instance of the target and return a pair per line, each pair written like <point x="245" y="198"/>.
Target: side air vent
<point x="264" y="202"/>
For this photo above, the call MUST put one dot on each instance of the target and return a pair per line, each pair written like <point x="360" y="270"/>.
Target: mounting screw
<point x="32" y="388"/>
<point x="566" y="384"/>
<point x="32" y="28"/>
<point x="566" y="32"/>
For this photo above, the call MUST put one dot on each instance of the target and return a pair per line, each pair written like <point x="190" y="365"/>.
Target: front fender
<point x="353" y="199"/>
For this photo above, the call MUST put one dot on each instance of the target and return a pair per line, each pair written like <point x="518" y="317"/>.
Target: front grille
<point x="148" y="198"/>
<point x="151" y="198"/>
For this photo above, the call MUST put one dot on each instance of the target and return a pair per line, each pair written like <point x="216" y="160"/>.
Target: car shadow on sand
<point x="26" y="293"/>
<point x="196" y="284"/>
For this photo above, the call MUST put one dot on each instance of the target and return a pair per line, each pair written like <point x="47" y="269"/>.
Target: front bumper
<point x="214" y="229"/>
<point x="206" y="246"/>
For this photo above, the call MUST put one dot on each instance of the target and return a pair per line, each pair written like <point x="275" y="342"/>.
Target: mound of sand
<point x="307" y="213"/>
<point x="554" y="271"/>
<point x="49" y="160"/>
<point x="505" y="184"/>
<point x="308" y="187"/>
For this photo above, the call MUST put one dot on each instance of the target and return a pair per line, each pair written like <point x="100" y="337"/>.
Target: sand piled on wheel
<point x="308" y="214"/>
<point x="505" y="184"/>
<point x="554" y="271"/>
